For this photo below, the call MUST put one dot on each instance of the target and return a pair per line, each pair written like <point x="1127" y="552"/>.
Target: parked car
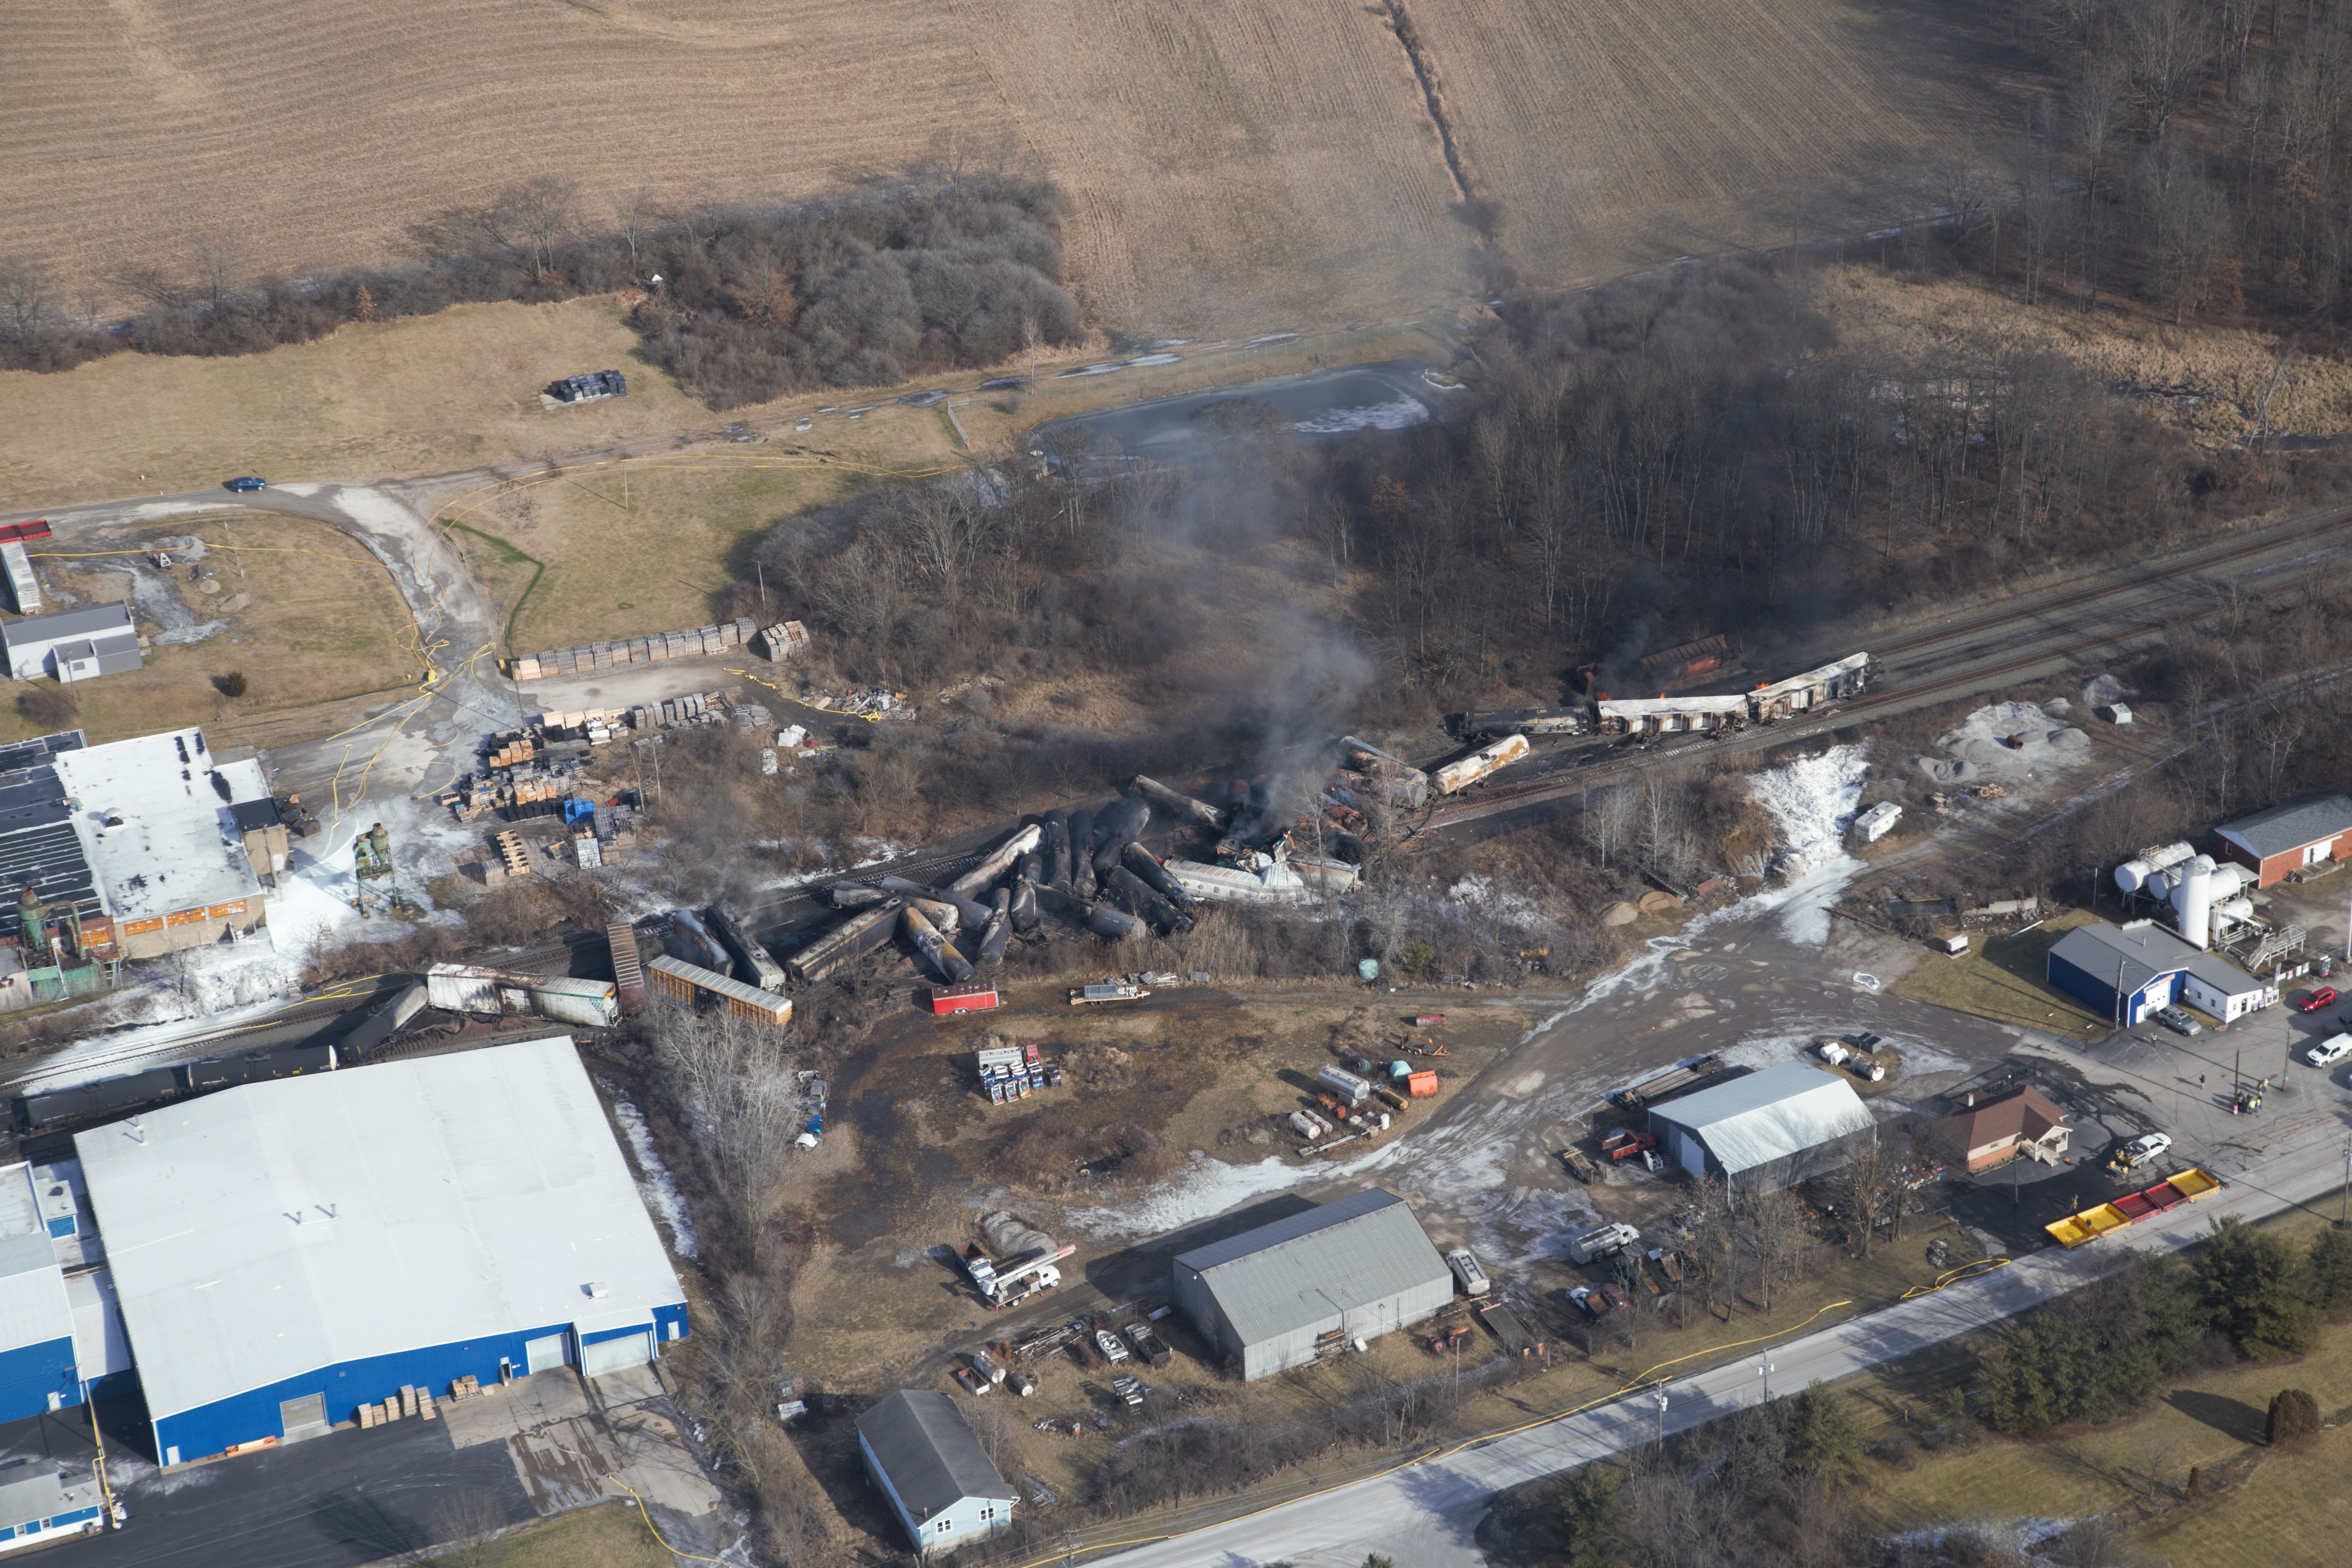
<point x="2313" y="1001"/>
<point x="245" y="482"/>
<point x="2178" y="1020"/>
<point x="2330" y="1051"/>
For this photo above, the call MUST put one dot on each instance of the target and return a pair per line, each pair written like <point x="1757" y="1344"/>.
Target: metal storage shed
<point x="286" y="1251"/>
<point x="1358" y="1266"/>
<point x="1772" y="1129"/>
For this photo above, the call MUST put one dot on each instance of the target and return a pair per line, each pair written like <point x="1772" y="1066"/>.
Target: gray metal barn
<point x="1770" y="1129"/>
<point x="1354" y="1268"/>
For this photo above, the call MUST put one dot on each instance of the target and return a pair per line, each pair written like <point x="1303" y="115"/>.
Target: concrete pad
<point x="630" y="1385"/>
<point x="529" y="1405"/>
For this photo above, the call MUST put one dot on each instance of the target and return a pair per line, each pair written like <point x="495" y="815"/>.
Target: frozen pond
<point x="1321" y="406"/>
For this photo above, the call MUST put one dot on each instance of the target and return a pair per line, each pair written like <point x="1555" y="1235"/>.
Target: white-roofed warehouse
<point x="1771" y="1128"/>
<point x="286" y="1251"/>
<point x="1354" y="1268"/>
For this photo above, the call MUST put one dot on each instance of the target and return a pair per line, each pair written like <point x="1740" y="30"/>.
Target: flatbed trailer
<point x="1673" y="1080"/>
<point x="2106" y="1218"/>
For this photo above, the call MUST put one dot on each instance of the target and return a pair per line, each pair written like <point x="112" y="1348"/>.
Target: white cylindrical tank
<point x="2229" y="880"/>
<point x="2194" y="899"/>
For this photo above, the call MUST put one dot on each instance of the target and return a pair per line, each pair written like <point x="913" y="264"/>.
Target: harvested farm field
<point x="1226" y="165"/>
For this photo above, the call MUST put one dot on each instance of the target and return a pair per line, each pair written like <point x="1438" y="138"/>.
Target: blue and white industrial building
<point x="285" y="1252"/>
<point x="62" y="1339"/>
<point x="2125" y="972"/>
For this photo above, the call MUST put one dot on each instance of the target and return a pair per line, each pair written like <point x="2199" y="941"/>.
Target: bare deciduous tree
<point x="734" y="1081"/>
<point x="27" y="299"/>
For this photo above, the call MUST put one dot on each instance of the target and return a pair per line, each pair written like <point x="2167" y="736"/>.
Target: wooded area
<point x="947" y="264"/>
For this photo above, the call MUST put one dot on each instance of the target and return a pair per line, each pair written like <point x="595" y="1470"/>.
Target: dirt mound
<point x="2007" y="740"/>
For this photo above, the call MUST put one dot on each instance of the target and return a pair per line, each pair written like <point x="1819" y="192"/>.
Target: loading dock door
<point x="544" y="1355"/>
<point x="614" y="1355"/>
<point x="303" y="1418"/>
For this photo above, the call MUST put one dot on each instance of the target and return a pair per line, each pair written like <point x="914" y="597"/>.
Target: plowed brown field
<point x="1231" y="162"/>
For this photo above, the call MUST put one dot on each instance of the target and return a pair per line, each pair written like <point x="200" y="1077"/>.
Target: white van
<point x="1467" y="1272"/>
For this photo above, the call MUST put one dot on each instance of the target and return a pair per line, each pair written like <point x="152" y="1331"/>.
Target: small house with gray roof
<point x="940" y="1482"/>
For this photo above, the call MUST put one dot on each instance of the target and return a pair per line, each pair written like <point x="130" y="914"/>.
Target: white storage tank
<point x="1345" y="1084"/>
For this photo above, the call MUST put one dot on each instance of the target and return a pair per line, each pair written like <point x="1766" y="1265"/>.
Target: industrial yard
<point x="1175" y="813"/>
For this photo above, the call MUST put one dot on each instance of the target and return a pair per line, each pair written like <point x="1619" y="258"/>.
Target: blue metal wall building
<point x="2124" y="974"/>
<point x="285" y="1252"/>
<point x="38" y="1367"/>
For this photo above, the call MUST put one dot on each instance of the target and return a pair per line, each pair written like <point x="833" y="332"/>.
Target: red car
<point x="2313" y="1001"/>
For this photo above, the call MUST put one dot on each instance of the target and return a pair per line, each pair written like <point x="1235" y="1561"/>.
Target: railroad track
<point x="2188" y="566"/>
<point x="1490" y="801"/>
<point x="308" y="1011"/>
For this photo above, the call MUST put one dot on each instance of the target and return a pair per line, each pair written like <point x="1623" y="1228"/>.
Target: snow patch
<point x="660" y="1191"/>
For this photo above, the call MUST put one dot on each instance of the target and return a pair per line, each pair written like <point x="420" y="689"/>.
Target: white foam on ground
<point x="1812" y="802"/>
<point x="657" y="1187"/>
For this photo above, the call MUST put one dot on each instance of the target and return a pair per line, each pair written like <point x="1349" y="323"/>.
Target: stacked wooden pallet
<point x="515" y="752"/>
<point x="511" y="853"/>
<point x="587" y="658"/>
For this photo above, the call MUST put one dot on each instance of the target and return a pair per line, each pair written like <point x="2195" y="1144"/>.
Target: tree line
<point x="2103" y="1350"/>
<point x="952" y="263"/>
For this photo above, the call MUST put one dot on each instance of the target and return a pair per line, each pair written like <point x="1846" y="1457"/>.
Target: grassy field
<point x="325" y="626"/>
<point x="392" y="399"/>
<point x="607" y="1536"/>
<point x="1227" y="167"/>
<point x="2002" y="980"/>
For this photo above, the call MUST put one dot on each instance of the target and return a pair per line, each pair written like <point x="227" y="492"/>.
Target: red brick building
<point x="2279" y="840"/>
<point x="1993" y="1131"/>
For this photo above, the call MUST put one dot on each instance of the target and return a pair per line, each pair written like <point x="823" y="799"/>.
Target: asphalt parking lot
<point x="336" y="1501"/>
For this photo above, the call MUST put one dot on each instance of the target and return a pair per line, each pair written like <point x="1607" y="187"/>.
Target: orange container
<point x="1421" y="1084"/>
